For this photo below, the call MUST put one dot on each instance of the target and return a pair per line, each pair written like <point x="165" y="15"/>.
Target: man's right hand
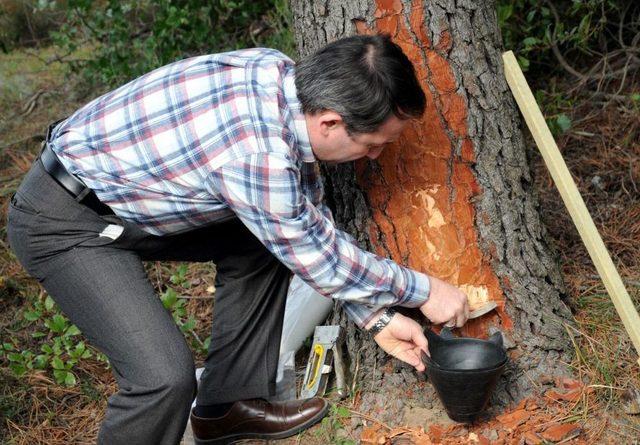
<point x="403" y="338"/>
<point x="446" y="304"/>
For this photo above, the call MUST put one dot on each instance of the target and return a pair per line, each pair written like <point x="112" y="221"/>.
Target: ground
<point x="63" y="402"/>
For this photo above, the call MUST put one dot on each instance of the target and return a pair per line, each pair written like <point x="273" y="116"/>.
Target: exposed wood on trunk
<point x="453" y="198"/>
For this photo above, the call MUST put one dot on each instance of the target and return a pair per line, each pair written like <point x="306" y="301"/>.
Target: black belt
<point x="70" y="183"/>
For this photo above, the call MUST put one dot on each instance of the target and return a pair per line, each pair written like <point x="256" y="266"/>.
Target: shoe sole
<point x="281" y="435"/>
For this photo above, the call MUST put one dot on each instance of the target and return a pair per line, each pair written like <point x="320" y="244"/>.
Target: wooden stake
<point x="571" y="197"/>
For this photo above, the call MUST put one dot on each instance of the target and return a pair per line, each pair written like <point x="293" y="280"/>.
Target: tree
<point x="454" y="197"/>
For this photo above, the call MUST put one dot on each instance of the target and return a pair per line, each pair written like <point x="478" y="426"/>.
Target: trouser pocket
<point x="19" y="204"/>
<point x="44" y="221"/>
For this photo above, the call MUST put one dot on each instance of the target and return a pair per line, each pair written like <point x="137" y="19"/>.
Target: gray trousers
<point x="101" y="285"/>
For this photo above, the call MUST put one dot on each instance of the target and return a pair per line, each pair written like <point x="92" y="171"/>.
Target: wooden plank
<point x="572" y="198"/>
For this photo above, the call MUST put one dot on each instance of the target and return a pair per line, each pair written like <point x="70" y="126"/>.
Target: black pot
<point x="464" y="371"/>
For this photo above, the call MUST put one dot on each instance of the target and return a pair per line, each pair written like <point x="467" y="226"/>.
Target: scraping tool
<point x="479" y="301"/>
<point x="325" y="352"/>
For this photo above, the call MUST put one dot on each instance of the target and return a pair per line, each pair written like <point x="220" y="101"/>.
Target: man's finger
<point x="410" y="357"/>
<point x="421" y="366"/>
<point x="460" y="320"/>
<point x="419" y="339"/>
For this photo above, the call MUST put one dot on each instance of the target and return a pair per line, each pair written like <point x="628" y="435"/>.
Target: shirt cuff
<point x="418" y="290"/>
<point x="416" y="295"/>
<point x="360" y="314"/>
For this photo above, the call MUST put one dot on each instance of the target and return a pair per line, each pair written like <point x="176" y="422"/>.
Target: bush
<point x="129" y="38"/>
<point x="582" y="30"/>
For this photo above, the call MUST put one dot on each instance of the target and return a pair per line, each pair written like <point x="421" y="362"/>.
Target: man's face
<point x="331" y="142"/>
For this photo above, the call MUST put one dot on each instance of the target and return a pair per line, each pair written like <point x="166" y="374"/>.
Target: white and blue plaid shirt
<point x="215" y="135"/>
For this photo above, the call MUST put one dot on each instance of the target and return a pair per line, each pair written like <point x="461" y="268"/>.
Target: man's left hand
<point x="403" y="338"/>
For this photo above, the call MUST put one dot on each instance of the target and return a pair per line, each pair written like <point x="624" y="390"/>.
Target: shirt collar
<point x="299" y="123"/>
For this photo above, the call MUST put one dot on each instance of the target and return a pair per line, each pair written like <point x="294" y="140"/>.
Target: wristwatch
<point x="382" y="322"/>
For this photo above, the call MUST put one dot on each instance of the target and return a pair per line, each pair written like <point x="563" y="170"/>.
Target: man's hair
<point x="365" y="79"/>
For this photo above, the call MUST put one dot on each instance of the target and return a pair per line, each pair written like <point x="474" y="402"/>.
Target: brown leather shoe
<point x="259" y="419"/>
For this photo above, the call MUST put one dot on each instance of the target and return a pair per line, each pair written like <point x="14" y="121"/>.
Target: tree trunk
<point x="454" y="197"/>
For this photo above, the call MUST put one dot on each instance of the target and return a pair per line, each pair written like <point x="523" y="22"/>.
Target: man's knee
<point x="166" y="369"/>
<point x="180" y="376"/>
<point x="175" y="381"/>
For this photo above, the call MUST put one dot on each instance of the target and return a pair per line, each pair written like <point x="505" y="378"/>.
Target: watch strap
<point x="382" y="322"/>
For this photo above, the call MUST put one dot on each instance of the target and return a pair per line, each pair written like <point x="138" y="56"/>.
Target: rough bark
<point x="454" y="197"/>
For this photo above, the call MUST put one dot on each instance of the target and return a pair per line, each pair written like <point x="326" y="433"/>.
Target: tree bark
<point x="454" y="197"/>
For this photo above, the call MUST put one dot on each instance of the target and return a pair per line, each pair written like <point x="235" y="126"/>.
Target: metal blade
<point x="486" y="308"/>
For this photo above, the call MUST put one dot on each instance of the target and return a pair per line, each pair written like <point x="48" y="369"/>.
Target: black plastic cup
<point x="464" y="371"/>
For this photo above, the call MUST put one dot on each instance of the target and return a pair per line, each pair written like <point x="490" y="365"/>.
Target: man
<point x="214" y="158"/>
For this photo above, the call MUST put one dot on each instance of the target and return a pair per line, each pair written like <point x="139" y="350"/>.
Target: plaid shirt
<point x="211" y="136"/>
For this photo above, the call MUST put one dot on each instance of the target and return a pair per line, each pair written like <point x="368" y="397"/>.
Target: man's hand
<point x="446" y="304"/>
<point x="403" y="339"/>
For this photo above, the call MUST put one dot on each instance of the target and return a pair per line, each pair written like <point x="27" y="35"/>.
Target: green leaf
<point x="189" y="324"/>
<point x="49" y="303"/>
<point x="57" y="346"/>
<point x="46" y="348"/>
<point x="73" y="330"/>
<point x="40" y="361"/>
<point x="564" y="122"/>
<point x="584" y="26"/>
<point x="523" y="62"/>
<point x="7" y="346"/>
<point x="67" y="341"/>
<point x="32" y="315"/>
<point x="14" y="357"/>
<point x="635" y="97"/>
<point x="169" y="298"/>
<point x="504" y="12"/>
<point x="70" y="379"/>
<point x="530" y="41"/>
<point x="57" y="363"/>
<point x="179" y="312"/>
<point x="531" y="15"/>
<point x="60" y="376"/>
<point x="341" y="411"/>
<point x="18" y="369"/>
<point x="38" y="334"/>
<point x="57" y="323"/>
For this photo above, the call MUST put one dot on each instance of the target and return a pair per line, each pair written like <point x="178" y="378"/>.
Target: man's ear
<point x="329" y="121"/>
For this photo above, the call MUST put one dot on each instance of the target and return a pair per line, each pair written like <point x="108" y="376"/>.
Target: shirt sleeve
<point x="264" y="190"/>
<point x="360" y="314"/>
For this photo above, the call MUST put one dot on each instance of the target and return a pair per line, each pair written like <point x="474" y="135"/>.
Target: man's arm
<point x="263" y="190"/>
